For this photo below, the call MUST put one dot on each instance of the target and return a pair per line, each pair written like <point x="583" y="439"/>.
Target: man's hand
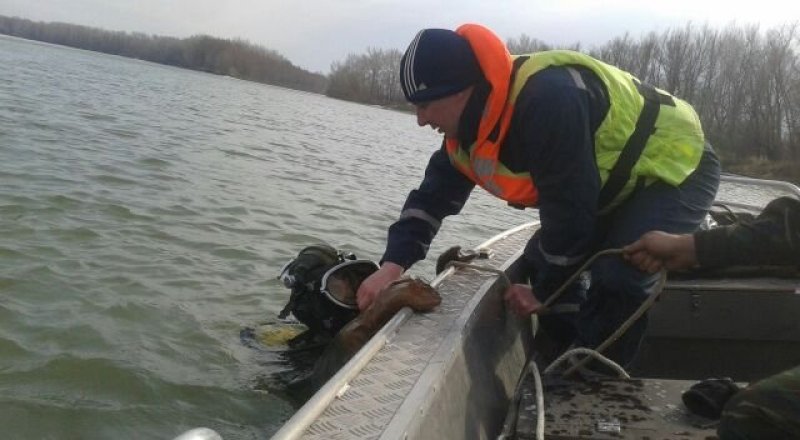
<point x="656" y="250"/>
<point x="374" y="283"/>
<point x="521" y="300"/>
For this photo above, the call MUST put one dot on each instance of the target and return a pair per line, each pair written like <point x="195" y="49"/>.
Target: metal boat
<point x="462" y="371"/>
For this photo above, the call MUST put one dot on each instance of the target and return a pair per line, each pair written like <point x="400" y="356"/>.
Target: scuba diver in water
<point x="770" y="408"/>
<point x="323" y="283"/>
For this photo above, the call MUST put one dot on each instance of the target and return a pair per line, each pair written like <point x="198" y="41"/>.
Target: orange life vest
<point x="497" y="65"/>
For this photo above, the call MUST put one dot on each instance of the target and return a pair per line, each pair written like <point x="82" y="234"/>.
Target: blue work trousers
<point x="615" y="289"/>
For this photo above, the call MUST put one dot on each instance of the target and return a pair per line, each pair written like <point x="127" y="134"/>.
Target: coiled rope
<point x="590" y="353"/>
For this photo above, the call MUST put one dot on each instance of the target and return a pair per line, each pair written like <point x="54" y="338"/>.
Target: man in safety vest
<point x="603" y="157"/>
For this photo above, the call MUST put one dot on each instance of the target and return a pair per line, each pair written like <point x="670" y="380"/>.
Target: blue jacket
<point x="552" y="137"/>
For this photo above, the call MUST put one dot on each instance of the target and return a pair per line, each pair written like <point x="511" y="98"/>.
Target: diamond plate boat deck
<point x="431" y="375"/>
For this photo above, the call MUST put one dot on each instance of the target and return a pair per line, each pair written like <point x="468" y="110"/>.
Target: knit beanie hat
<point x="437" y="63"/>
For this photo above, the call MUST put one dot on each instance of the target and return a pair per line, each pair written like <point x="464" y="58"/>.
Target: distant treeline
<point x="744" y="83"/>
<point x="370" y="78"/>
<point x="236" y="58"/>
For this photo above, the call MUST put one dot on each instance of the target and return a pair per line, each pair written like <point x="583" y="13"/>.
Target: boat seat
<point x="738" y="272"/>
<point x="612" y="409"/>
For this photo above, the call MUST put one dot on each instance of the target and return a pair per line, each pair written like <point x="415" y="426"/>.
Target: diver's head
<point x="324" y="283"/>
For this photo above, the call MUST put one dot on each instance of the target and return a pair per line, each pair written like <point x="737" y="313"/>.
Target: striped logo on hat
<point x="409" y="84"/>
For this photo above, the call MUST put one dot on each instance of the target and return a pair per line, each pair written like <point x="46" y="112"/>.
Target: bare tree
<point x="370" y="78"/>
<point x="744" y="83"/>
<point x="525" y="44"/>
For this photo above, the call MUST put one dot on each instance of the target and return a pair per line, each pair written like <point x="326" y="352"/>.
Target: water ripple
<point x="145" y="213"/>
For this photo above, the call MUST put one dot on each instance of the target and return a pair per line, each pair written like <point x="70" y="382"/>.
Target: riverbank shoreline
<point x="765" y="169"/>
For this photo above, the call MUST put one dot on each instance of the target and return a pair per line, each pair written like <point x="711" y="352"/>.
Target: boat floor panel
<point x="644" y="409"/>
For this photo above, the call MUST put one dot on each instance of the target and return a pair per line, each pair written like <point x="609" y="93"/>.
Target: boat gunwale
<point x="408" y="418"/>
<point x="338" y="384"/>
<point x="336" y="387"/>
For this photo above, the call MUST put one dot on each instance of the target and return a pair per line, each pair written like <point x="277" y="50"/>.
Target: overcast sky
<point x="314" y="33"/>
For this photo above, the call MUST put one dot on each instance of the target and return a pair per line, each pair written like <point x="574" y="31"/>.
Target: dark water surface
<point x="144" y="214"/>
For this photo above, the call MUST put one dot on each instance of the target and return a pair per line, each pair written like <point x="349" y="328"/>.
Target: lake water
<point x="144" y="214"/>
